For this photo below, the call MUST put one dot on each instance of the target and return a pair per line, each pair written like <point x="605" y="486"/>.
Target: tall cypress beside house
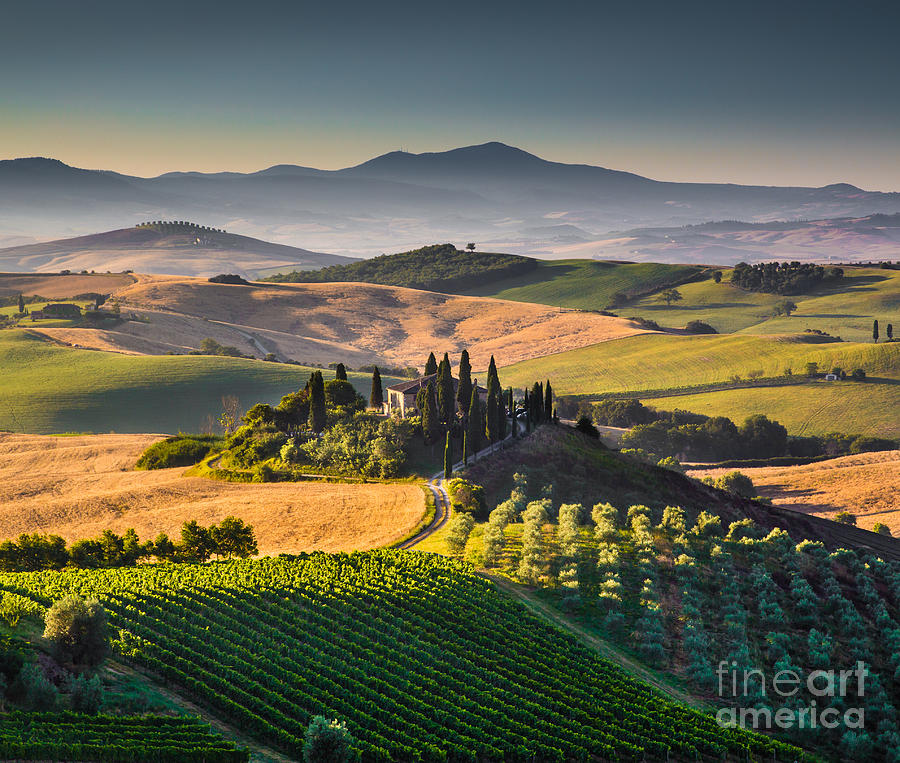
<point x="430" y="423"/>
<point x="464" y="390"/>
<point x="430" y="365"/>
<point x="474" y="424"/>
<point x="445" y="398"/>
<point x="448" y="457"/>
<point x="548" y="402"/>
<point x="340" y="372"/>
<point x="316" y="402"/>
<point x="376" y="399"/>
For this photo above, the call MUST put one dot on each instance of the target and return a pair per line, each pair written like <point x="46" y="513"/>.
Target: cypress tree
<point x="464" y="390"/>
<point x="430" y="365"/>
<point x="446" y="401"/>
<point x="536" y="413"/>
<point x="474" y="425"/>
<point x="376" y="399"/>
<point x="448" y="457"/>
<point x="890" y="331"/>
<point x="875" y="330"/>
<point x="527" y="406"/>
<point x="491" y="418"/>
<point x="493" y="378"/>
<point x="465" y="448"/>
<point x="430" y="423"/>
<point x="340" y="372"/>
<point x="316" y="402"/>
<point x="548" y="402"/>
<point x="21" y="303"/>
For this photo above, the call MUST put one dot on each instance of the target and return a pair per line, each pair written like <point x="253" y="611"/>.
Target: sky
<point x="792" y="92"/>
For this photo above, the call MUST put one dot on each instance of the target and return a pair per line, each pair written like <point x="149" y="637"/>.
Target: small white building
<point x="401" y="398"/>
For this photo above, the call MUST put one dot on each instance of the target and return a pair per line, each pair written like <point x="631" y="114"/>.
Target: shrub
<point x="699" y="327"/>
<point x="231" y="278"/>
<point x="182" y="450"/>
<point x="871" y="444"/>
<point x="458" y="529"/>
<point x="37" y="691"/>
<point x="881" y="529"/>
<point x="467" y="498"/>
<point x="737" y="483"/>
<point x="327" y="741"/>
<point x="845" y="518"/>
<point x="858" y="374"/>
<point x="77" y="630"/>
<point x="586" y="426"/>
<point x="86" y="694"/>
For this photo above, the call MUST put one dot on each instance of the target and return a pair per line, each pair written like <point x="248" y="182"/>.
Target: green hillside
<point x="807" y="409"/>
<point x="584" y="284"/>
<point x="47" y="388"/>
<point x="658" y="361"/>
<point x="845" y="309"/>
<point x="424" y="660"/>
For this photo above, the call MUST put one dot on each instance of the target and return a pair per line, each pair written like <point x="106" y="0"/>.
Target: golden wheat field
<point x="865" y="485"/>
<point x="80" y="485"/>
<point x="349" y="322"/>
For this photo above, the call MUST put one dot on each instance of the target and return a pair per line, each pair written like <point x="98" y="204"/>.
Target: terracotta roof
<point x="414" y="385"/>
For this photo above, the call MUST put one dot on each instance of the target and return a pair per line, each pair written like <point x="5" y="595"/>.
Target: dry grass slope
<point x="78" y="486"/>
<point x="865" y="485"/>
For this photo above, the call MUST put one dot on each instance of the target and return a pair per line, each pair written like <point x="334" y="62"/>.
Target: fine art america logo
<point x="785" y="687"/>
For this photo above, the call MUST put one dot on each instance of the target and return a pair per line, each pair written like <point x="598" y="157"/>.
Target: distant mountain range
<point x="174" y="248"/>
<point x="487" y="193"/>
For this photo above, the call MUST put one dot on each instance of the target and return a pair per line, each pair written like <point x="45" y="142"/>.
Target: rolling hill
<point x="178" y="249"/>
<point x="489" y="193"/>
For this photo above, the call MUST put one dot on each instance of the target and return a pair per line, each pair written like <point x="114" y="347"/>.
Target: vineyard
<point x="422" y="658"/>
<point x="70" y="736"/>
<point x="687" y="595"/>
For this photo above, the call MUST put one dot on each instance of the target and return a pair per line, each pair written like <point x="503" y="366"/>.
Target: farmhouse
<point x="57" y="310"/>
<point x="401" y="398"/>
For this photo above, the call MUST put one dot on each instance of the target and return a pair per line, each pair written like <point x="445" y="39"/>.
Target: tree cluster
<point x="783" y="277"/>
<point x="441" y="267"/>
<point x="37" y="551"/>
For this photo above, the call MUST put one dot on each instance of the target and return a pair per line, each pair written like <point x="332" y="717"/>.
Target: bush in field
<point x="466" y="497"/>
<point x="77" y="630"/>
<point x="606" y="518"/>
<point x="38" y="692"/>
<point x="86" y="694"/>
<point x="737" y="483"/>
<point x="183" y="450"/>
<point x="845" y="518"/>
<point x="327" y="741"/>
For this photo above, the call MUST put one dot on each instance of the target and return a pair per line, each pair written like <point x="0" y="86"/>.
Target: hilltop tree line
<point x="702" y="438"/>
<point x="36" y="551"/>
<point x="178" y="226"/>
<point x="783" y="277"/>
<point x="440" y="267"/>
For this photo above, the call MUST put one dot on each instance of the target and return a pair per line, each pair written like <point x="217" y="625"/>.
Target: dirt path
<point x="603" y="648"/>
<point x="441" y="512"/>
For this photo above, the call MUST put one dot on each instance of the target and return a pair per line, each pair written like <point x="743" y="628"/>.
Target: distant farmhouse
<point x="57" y="310"/>
<point x="402" y="397"/>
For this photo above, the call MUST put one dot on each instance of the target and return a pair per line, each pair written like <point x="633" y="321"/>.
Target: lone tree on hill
<point x="470" y="246"/>
<point x="669" y="296"/>
<point x="889" y="330"/>
<point x="464" y="390"/>
<point x="431" y="365"/>
<point x="233" y="538"/>
<point x="785" y="308"/>
<point x="77" y="629"/>
<point x="448" y="457"/>
<point x="717" y="276"/>
<point x="376" y="399"/>
<point x="327" y="741"/>
<point x="21" y="303"/>
<point x="340" y="372"/>
<point x="875" y="330"/>
<point x="316" y="402"/>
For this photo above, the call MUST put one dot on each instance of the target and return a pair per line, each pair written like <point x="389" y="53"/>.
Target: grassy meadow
<point x="583" y="284"/>
<point x="59" y="389"/>
<point x="816" y="408"/>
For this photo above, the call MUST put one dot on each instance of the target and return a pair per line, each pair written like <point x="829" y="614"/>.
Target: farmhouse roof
<point x="414" y="385"/>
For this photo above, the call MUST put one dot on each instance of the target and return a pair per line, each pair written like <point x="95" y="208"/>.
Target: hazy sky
<point x="788" y="92"/>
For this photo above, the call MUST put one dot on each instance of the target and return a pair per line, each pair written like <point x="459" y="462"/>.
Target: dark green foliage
<point x="77" y="631"/>
<point x="467" y="498"/>
<point x="431" y="365"/>
<point x="376" y="399"/>
<point x="699" y="327"/>
<point x="445" y="397"/>
<point x="474" y="425"/>
<point x="783" y="277"/>
<point x="890" y="332"/>
<point x="21" y="303"/>
<point x="35" y="551"/>
<point x="229" y="278"/>
<point x="875" y="330"/>
<point x="233" y="538"/>
<point x="845" y="518"/>
<point x="448" y="457"/>
<point x="37" y="692"/>
<point x="316" y="402"/>
<point x="536" y="404"/>
<point x="492" y="417"/>
<point x="340" y="372"/>
<point x="762" y="437"/>
<point x="622" y="413"/>
<point x="341" y="393"/>
<point x="196" y="542"/>
<point x="441" y="267"/>
<point x="210" y="346"/>
<point x="86" y="694"/>
<point x="431" y="425"/>
<point x="464" y="388"/>
<point x="548" y="402"/>
<point x="327" y="741"/>
<point x="717" y="276"/>
<point x="180" y="450"/>
<point x="737" y="483"/>
<point x="586" y="426"/>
